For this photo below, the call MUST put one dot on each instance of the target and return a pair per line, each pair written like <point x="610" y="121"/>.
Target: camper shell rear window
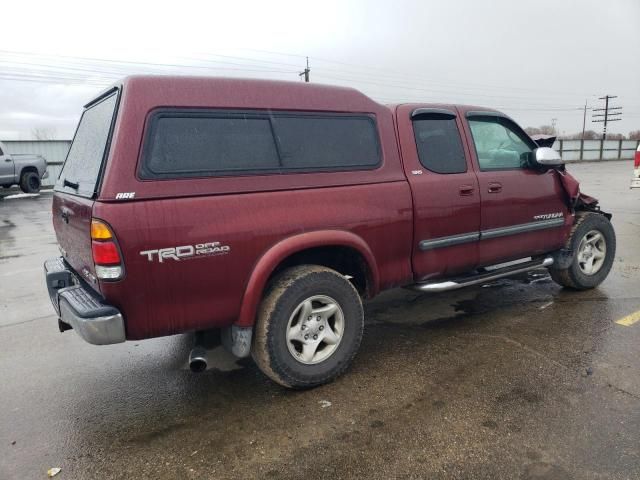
<point x="82" y="168"/>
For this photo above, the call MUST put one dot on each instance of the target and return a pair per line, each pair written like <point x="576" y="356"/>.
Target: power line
<point x="121" y="67"/>
<point x="343" y="74"/>
<point x="111" y="73"/>
<point x="133" y="63"/>
<point x="359" y="69"/>
<point x="428" y="90"/>
<point x="101" y="71"/>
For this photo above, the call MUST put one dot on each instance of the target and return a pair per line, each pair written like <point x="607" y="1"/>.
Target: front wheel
<point x="309" y="327"/>
<point x="593" y="243"/>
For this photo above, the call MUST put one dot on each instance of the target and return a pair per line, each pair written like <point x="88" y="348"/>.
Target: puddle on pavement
<point x="410" y="308"/>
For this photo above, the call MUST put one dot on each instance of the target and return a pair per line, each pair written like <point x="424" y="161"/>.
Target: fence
<point x="55" y="151"/>
<point x="595" y="150"/>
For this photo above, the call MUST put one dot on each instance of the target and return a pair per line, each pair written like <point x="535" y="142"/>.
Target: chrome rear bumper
<point x="95" y="321"/>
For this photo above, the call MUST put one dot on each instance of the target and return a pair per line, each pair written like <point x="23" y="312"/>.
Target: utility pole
<point x="584" y="119"/>
<point x="553" y="125"/>
<point x="607" y="115"/>
<point x="305" y="72"/>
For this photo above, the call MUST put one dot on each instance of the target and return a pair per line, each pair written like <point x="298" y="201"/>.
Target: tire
<point x="30" y="182"/>
<point x="577" y="276"/>
<point x="284" y="318"/>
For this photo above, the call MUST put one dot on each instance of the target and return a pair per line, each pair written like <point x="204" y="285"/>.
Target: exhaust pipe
<point x="198" y="359"/>
<point x="198" y="355"/>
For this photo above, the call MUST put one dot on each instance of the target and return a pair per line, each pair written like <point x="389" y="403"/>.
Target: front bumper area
<point x="94" y="321"/>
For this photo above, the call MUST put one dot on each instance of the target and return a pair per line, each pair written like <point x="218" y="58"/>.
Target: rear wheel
<point x="593" y="244"/>
<point x="30" y="182"/>
<point x="309" y="327"/>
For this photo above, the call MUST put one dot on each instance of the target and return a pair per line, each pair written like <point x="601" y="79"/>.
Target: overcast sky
<point x="535" y="60"/>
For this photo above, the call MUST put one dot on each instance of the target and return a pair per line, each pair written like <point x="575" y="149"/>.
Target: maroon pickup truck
<point x="269" y="210"/>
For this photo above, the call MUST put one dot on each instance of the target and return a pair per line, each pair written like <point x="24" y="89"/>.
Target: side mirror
<point x="547" y="157"/>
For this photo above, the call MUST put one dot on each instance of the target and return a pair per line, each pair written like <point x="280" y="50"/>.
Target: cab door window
<point x="500" y="145"/>
<point x="439" y="144"/>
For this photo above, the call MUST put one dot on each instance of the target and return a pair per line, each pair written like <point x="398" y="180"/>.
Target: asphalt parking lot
<point x="515" y="379"/>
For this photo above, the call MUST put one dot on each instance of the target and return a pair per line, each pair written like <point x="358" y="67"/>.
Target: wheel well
<point x="28" y="169"/>
<point x="345" y="260"/>
<point x="593" y="209"/>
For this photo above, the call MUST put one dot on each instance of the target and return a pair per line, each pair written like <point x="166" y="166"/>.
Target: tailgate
<point x="72" y="224"/>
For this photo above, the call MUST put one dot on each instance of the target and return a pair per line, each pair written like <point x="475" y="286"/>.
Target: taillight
<point x="106" y="255"/>
<point x="636" y="163"/>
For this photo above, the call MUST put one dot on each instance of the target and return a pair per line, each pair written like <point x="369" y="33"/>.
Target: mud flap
<point x="237" y="340"/>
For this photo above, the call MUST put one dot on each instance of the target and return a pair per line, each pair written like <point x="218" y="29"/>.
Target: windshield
<point x="81" y="170"/>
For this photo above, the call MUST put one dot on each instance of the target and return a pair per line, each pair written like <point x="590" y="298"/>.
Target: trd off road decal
<point x="186" y="252"/>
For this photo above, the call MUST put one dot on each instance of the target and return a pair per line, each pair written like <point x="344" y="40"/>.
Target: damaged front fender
<point x="577" y="200"/>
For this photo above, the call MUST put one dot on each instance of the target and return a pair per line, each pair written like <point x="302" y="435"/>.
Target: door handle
<point x="466" y="190"/>
<point x="7" y="159"/>
<point x="495" y="187"/>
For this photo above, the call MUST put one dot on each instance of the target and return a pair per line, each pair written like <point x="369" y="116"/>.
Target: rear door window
<point x="439" y="144"/>
<point x="81" y="170"/>
<point x="183" y="144"/>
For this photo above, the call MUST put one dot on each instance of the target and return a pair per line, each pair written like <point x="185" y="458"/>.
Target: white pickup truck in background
<point x="25" y="170"/>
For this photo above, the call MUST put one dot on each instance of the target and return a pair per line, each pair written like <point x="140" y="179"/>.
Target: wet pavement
<point x="516" y="379"/>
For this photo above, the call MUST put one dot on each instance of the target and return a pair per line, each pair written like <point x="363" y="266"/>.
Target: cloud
<point x="28" y="105"/>
<point x="533" y="61"/>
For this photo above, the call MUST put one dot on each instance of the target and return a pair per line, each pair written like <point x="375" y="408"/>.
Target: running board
<point x="461" y="282"/>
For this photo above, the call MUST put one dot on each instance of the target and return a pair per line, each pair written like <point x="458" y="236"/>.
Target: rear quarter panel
<point x="205" y="292"/>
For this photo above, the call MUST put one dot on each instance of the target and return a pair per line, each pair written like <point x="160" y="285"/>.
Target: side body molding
<point x="469" y="237"/>
<point x="287" y="247"/>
